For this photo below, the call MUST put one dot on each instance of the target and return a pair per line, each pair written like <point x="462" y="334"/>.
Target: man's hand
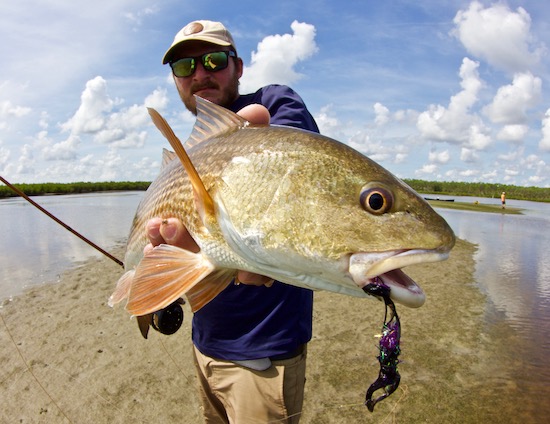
<point x="172" y="231"/>
<point x="255" y="114"/>
<point x="169" y="231"/>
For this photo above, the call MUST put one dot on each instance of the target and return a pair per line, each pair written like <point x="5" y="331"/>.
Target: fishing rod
<point x="76" y="233"/>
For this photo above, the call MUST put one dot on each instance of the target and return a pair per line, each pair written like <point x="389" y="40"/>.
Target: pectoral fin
<point x="163" y="275"/>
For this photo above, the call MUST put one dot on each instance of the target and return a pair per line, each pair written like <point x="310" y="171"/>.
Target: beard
<point x="225" y="96"/>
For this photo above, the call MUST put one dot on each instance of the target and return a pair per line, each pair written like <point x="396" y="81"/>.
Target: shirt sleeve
<point x="286" y="107"/>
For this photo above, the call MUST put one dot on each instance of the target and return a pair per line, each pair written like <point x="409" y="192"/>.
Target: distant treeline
<point x="537" y="194"/>
<point x="41" y="189"/>
<point x="452" y="188"/>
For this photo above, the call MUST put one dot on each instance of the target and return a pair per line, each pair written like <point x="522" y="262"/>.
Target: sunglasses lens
<point x="215" y="61"/>
<point x="183" y="67"/>
<point x="212" y="62"/>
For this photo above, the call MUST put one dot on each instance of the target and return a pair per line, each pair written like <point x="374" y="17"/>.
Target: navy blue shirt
<point x="250" y="322"/>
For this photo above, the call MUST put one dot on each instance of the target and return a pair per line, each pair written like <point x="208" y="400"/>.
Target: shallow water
<point x="513" y="271"/>
<point x="35" y="249"/>
<point x="511" y="267"/>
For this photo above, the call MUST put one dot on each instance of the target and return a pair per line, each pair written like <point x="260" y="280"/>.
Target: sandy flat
<point x="68" y="358"/>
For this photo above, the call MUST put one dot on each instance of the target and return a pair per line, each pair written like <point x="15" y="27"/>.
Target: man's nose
<point x="200" y="72"/>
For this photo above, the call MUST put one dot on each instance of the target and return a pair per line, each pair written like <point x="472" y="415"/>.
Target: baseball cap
<point x="208" y="31"/>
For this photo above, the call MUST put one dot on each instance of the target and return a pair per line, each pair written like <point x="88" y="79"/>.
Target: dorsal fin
<point x="167" y="157"/>
<point x="203" y="202"/>
<point x="213" y="120"/>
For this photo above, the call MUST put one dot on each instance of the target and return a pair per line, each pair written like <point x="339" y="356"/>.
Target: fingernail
<point x="169" y="229"/>
<point x="153" y="231"/>
<point x="153" y="226"/>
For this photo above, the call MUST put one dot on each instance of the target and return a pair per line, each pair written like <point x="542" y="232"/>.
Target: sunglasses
<point x="212" y="62"/>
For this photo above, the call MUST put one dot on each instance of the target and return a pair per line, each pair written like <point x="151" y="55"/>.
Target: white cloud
<point x="64" y="150"/>
<point x="513" y="133"/>
<point x="396" y="102"/>
<point x="377" y="149"/>
<point x="400" y="157"/>
<point x="94" y="103"/>
<point x="439" y="157"/>
<point x="538" y="168"/>
<point x="158" y="99"/>
<point x="498" y="35"/>
<point x="544" y="143"/>
<point x="25" y="163"/>
<point x="118" y="138"/>
<point x="137" y="17"/>
<point x="277" y="56"/>
<point x="512" y="155"/>
<point x="406" y="115"/>
<point x="328" y="124"/>
<point x="362" y="142"/>
<point x="426" y="170"/>
<point x="98" y="120"/>
<point x="512" y="102"/>
<point x="4" y="156"/>
<point x="121" y="129"/>
<point x="536" y="179"/>
<point x="430" y="123"/>
<point x="469" y="173"/>
<point x="50" y="46"/>
<point x="43" y="121"/>
<point x="104" y="118"/>
<point x="468" y="155"/>
<point x="7" y="110"/>
<point x="382" y="114"/>
<point x="456" y="124"/>
<point x="489" y="176"/>
<point x="478" y="138"/>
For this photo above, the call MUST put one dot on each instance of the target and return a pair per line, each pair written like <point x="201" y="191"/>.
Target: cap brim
<point x="210" y="40"/>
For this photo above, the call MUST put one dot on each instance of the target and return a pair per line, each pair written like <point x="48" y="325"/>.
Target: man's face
<point x="221" y="87"/>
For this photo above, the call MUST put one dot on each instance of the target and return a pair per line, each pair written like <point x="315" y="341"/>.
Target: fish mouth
<point x="366" y="267"/>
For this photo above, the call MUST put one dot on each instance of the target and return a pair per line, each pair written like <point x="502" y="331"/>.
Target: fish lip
<point x="402" y="258"/>
<point x="365" y="267"/>
<point x="409" y="294"/>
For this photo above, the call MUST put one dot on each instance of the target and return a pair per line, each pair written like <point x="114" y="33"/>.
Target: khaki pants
<point x="233" y="394"/>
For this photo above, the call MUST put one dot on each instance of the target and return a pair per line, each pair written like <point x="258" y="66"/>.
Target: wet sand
<point x="68" y="358"/>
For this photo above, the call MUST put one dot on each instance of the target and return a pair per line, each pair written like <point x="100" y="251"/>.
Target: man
<point x="250" y="341"/>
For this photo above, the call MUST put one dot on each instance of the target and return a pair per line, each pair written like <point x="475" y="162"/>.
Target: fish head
<point x="381" y="225"/>
<point x="407" y="231"/>
<point x="338" y="220"/>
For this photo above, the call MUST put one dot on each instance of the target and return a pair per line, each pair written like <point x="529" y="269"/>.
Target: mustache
<point x="204" y="85"/>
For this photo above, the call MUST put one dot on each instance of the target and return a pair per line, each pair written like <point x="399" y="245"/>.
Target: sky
<point x="440" y="91"/>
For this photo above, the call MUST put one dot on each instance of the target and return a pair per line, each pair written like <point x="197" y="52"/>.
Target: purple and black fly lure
<point x="388" y="377"/>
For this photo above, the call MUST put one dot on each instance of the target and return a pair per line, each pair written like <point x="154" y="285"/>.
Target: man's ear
<point x="240" y="66"/>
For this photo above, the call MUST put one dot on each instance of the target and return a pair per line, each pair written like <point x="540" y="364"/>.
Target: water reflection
<point x="512" y="270"/>
<point x="511" y="258"/>
<point x="35" y="249"/>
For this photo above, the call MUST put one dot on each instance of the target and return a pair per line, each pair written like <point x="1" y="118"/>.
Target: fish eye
<point x="376" y="200"/>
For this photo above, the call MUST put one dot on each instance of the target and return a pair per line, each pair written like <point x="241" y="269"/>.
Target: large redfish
<point x="293" y="205"/>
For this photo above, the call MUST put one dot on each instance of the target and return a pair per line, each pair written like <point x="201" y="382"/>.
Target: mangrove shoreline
<point x="448" y="188"/>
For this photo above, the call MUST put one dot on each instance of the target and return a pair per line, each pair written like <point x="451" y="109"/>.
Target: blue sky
<point x="450" y="91"/>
